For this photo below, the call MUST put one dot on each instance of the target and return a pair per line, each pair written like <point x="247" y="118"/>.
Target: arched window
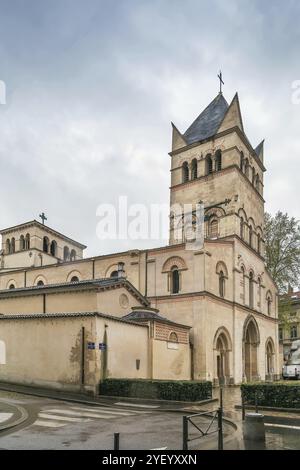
<point x="74" y="279"/>
<point x="251" y="290"/>
<point x="257" y="182"/>
<point x="174" y="280"/>
<point x="173" y="338"/>
<point x="40" y="283"/>
<point x="53" y="248"/>
<point x="269" y="304"/>
<point x="27" y="242"/>
<point x="8" y="246"/>
<point x="247" y="167"/>
<point x="22" y="243"/>
<point x="73" y="255"/>
<point x="221" y="284"/>
<point x="243" y="284"/>
<point x="250" y="235"/>
<point x="218" y="159"/>
<point x="13" y="245"/>
<point x="66" y="253"/>
<point x="213" y="228"/>
<point x="46" y="245"/>
<point x="253" y="176"/>
<point x="12" y="286"/>
<point x="208" y="165"/>
<point x="294" y="332"/>
<point x="258" y="243"/>
<point x="242" y="161"/>
<point x="185" y="172"/>
<point x="259" y="292"/>
<point x="194" y="169"/>
<point x="242" y="228"/>
<point x="114" y="274"/>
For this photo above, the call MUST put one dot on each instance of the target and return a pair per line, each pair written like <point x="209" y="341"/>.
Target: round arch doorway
<point x="251" y="343"/>
<point x="222" y="349"/>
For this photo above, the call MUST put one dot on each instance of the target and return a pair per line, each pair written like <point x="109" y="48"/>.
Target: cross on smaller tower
<point x="43" y="217"/>
<point x="221" y="81"/>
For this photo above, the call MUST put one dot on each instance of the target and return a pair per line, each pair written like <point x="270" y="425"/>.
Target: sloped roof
<point x="259" y="148"/>
<point x="208" y="122"/>
<point x="140" y="314"/>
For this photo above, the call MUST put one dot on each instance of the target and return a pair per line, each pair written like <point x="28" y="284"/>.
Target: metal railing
<point x="204" y="430"/>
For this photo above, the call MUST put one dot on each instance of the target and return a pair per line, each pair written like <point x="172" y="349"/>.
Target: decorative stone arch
<point x="174" y="261"/>
<point x="111" y="269"/>
<point x="40" y="279"/>
<point x="221" y="266"/>
<point x="270" y="358"/>
<point x="10" y="283"/>
<point x="2" y="353"/>
<point x="222" y="350"/>
<point x="242" y="213"/>
<point x="251" y="342"/>
<point x="215" y="212"/>
<point x="173" y="337"/>
<point x="73" y="274"/>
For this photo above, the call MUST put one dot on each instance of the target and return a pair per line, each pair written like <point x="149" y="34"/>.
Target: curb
<point x="89" y="401"/>
<point x="24" y="416"/>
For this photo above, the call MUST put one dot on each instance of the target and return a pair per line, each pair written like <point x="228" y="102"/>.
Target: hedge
<point x="157" y="389"/>
<point x="279" y="394"/>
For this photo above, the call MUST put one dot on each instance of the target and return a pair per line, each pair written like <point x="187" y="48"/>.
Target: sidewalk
<point x="155" y="405"/>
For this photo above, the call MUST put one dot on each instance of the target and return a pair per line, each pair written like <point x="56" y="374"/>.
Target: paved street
<point x="55" y="424"/>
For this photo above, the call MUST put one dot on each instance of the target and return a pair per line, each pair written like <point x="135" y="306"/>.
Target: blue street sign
<point x="91" y="345"/>
<point x="102" y="346"/>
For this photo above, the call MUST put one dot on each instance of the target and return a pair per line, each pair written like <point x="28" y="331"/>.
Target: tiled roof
<point x="33" y="316"/>
<point x="96" y="283"/>
<point x="143" y="315"/>
<point x="208" y="122"/>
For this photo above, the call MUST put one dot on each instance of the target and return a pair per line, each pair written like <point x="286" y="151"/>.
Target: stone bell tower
<point x="213" y="162"/>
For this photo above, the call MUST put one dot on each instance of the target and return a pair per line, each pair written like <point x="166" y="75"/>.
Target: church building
<point x="172" y="312"/>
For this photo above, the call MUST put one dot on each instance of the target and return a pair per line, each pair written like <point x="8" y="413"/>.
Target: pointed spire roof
<point x="208" y="122"/>
<point x="233" y="116"/>
<point x="260" y="150"/>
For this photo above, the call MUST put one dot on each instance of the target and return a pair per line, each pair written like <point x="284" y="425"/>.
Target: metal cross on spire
<point x="43" y="217"/>
<point x="221" y="81"/>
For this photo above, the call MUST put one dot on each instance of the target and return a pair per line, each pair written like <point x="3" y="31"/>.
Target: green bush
<point x="157" y="389"/>
<point x="278" y="394"/>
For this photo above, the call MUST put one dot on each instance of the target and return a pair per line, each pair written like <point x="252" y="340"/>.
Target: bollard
<point x="116" y="441"/>
<point x="243" y="407"/>
<point x="221" y="397"/>
<point x="220" y="429"/>
<point x="185" y="433"/>
<point x="254" y="427"/>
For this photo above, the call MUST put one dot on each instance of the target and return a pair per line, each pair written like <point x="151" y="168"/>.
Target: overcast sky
<point x="93" y="85"/>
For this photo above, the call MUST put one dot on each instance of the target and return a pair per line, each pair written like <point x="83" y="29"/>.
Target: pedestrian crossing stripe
<point x="59" y="417"/>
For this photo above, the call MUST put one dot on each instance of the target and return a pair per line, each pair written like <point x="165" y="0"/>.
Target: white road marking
<point x="5" y="416"/>
<point x="138" y="406"/>
<point x="59" y="417"/>
<point x="48" y="424"/>
<point x="282" y="426"/>
<point x="62" y="418"/>
<point x="109" y="410"/>
<point x="77" y="413"/>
